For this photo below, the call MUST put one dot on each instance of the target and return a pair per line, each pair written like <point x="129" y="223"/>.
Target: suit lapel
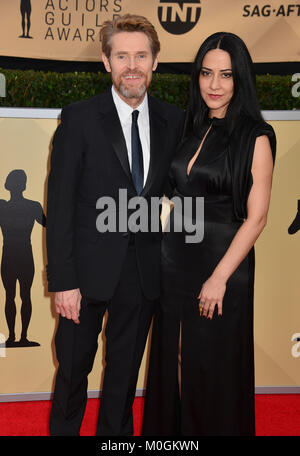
<point x="157" y="138"/>
<point x="113" y="130"/>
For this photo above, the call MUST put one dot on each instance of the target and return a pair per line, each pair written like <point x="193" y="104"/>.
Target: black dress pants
<point x="129" y="318"/>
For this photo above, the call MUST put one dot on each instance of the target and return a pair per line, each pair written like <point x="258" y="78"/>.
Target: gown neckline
<point x="210" y="123"/>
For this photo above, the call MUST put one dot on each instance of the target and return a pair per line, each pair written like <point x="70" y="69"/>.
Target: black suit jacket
<point x="89" y="160"/>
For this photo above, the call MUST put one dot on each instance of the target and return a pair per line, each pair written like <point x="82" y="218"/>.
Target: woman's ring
<point x="201" y="307"/>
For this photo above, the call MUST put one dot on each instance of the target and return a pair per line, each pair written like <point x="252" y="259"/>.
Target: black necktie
<point x="137" y="167"/>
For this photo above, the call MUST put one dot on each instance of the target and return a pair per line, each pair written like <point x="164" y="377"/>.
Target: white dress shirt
<point x="125" y="116"/>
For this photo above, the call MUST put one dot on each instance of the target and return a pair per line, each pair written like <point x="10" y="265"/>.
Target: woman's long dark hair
<point x="244" y="100"/>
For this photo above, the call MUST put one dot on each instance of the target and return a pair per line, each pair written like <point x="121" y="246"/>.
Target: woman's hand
<point x="211" y="295"/>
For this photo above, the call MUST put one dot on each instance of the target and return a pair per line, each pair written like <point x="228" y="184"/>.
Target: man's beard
<point x="132" y="92"/>
<point x="128" y="91"/>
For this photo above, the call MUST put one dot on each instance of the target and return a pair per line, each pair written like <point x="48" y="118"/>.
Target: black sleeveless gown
<point x="217" y="356"/>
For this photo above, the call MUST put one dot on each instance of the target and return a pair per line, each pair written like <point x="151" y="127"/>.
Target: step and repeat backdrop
<point x="69" y="30"/>
<point x="29" y="366"/>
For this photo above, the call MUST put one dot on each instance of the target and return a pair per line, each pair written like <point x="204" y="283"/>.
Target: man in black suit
<point x="103" y="146"/>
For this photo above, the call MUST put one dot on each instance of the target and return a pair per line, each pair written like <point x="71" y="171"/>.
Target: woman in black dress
<point x="201" y="373"/>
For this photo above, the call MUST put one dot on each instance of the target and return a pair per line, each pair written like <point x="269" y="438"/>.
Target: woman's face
<point x="216" y="82"/>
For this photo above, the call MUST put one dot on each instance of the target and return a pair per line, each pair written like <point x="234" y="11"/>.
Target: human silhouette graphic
<point x="17" y="218"/>
<point x="295" y="225"/>
<point x="25" y="8"/>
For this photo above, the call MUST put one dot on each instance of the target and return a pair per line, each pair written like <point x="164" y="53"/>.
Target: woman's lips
<point x="214" y="97"/>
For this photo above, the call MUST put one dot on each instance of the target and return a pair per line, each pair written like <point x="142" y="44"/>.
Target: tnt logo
<point x="2" y="85"/>
<point x="179" y="16"/>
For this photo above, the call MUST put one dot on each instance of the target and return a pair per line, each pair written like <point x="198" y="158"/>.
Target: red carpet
<point x="276" y="415"/>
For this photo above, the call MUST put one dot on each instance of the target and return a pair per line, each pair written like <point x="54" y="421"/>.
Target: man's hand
<point x="68" y="304"/>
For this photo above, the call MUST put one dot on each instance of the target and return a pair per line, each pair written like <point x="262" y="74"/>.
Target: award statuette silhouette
<point x="295" y="225"/>
<point x="25" y="8"/>
<point x="17" y="218"/>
